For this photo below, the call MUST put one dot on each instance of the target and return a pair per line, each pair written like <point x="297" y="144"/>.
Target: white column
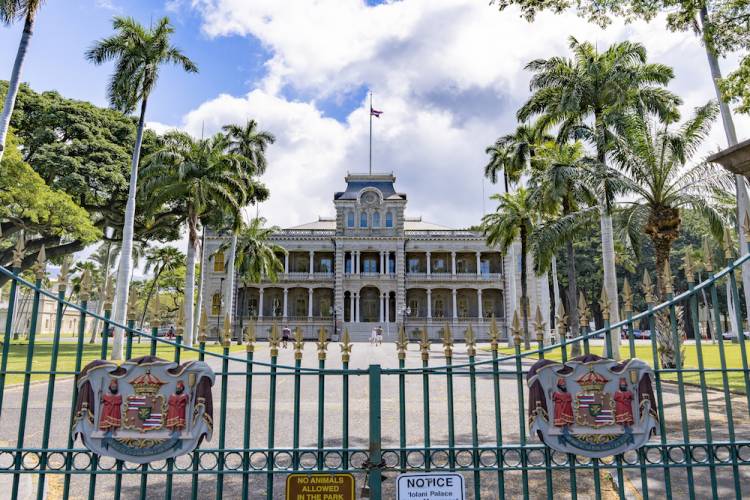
<point x="429" y="303"/>
<point x="382" y="262"/>
<point x="455" y="309"/>
<point x="382" y="318"/>
<point x="429" y="264"/>
<point x="286" y="263"/>
<point x="286" y="296"/>
<point x="351" y="307"/>
<point x="309" y="302"/>
<point x="479" y="303"/>
<point x="260" y="303"/>
<point x="479" y="263"/>
<point x="359" y="308"/>
<point x="356" y="262"/>
<point x="453" y="264"/>
<point x="312" y="261"/>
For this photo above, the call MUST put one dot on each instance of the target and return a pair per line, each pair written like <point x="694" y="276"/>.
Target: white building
<point x="372" y="265"/>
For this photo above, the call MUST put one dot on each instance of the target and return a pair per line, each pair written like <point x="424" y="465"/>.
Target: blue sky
<point x="448" y="75"/>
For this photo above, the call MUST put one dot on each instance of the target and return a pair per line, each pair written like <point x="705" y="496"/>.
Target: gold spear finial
<point x="539" y="325"/>
<point x="346" y="346"/>
<point x="84" y="286"/>
<point x="18" y="252"/>
<point x="180" y="323"/>
<point x="402" y="343"/>
<point x="274" y="339"/>
<point x="132" y="312"/>
<point x="627" y="296"/>
<point x="727" y="243"/>
<point x="687" y="266"/>
<point x="562" y="321"/>
<point x="156" y="311"/>
<point x="322" y="343"/>
<point x="583" y="310"/>
<point x="648" y="288"/>
<point x="250" y="337"/>
<point x="604" y="303"/>
<point x="515" y="328"/>
<point x="109" y="293"/>
<point x="707" y="260"/>
<point x="668" y="288"/>
<point x="470" y="341"/>
<point x="299" y="343"/>
<point x="494" y="335"/>
<point x="62" y="280"/>
<point x="424" y="344"/>
<point x="203" y="326"/>
<point x="40" y="268"/>
<point x="447" y="341"/>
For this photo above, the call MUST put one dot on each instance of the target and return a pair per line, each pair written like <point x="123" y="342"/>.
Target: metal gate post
<point x="375" y="458"/>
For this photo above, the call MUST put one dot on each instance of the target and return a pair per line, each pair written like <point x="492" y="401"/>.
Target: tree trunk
<point x="229" y="293"/>
<point x="199" y="301"/>
<point x="149" y="295"/>
<point x="15" y="79"/>
<point x="99" y="312"/>
<point x="575" y="349"/>
<point x="524" y="293"/>
<point x="731" y="134"/>
<point x="190" y="284"/>
<point x="126" y="252"/>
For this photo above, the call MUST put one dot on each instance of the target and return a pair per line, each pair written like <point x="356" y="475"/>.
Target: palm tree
<point x="250" y="142"/>
<point x="515" y="218"/>
<point x="653" y="156"/>
<point x="587" y="97"/>
<point x="163" y="259"/>
<point x="199" y="176"/>
<point x="512" y="153"/>
<point x="10" y="12"/>
<point x="138" y="53"/>
<point x="559" y="186"/>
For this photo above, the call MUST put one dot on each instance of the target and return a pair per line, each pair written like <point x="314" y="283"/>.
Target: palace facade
<point x="370" y="265"/>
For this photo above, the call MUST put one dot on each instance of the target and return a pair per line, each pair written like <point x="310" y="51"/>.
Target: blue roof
<point x="356" y="183"/>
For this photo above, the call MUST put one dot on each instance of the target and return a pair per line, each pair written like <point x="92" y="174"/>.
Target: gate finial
<point x="109" y="293"/>
<point x="156" y="310"/>
<point x="62" y="280"/>
<point x="227" y="337"/>
<point x="562" y="322"/>
<point x="648" y="288"/>
<point x="583" y="310"/>
<point x="40" y="268"/>
<point x="402" y="343"/>
<point x="132" y="313"/>
<point x="494" y="335"/>
<point x="180" y="323"/>
<point x="250" y="338"/>
<point x="516" y="328"/>
<point x="84" y="286"/>
<point x="424" y="345"/>
<point x="539" y="325"/>
<point x="273" y="340"/>
<point x="447" y="341"/>
<point x="203" y="326"/>
<point x="299" y="343"/>
<point x="604" y="303"/>
<point x="668" y="288"/>
<point x="707" y="260"/>
<point x="18" y="252"/>
<point x="727" y="243"/>
<point x="627" y="296"/>
<point x="687" y="266"/>
<point x="346" y="346"/>
<point x="470" y="341"/>
<point x="322" y="343"/>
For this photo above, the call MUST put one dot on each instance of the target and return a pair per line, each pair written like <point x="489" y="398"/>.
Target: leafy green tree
<point x="587" y="97"/>
<point x="10" y="12"/>
<point x="514" y="219"/>
<point x="161" y="260"/>
<point x="139" y="54"/>
<point x="201" y="176"/>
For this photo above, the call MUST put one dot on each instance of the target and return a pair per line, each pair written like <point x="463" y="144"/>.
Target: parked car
<point x="637" y="334"/>
<point x="733" y="336"/>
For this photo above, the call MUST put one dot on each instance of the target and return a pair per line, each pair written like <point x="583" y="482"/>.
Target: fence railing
<point x="377" y="411"/>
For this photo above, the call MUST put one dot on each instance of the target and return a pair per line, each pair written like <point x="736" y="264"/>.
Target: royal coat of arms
<point x="592" y="406"/>
<point x="145" y="409"/>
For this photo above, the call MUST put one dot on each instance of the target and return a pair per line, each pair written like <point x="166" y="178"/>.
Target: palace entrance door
<point x="370" y="304"/>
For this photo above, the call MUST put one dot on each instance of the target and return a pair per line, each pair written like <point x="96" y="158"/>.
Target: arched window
<point x="388" y="219"/>
<point x="216" y="304"/>
<point x="219" y="262"/>
<point x="363" y="219"/>
<point x="350" y="219"/>
<point x="376" y="219"/>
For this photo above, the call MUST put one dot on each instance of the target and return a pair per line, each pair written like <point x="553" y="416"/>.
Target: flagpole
<point x="370" y="133"/>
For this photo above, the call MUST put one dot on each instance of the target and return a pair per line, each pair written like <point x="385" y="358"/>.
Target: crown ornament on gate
<point x="592" y="381"/>
<point x="299" y="343"/>
<point x="515" y="328"/>
<point x="274" y="340"/>
<point x="146" y="384"/>
<point x="249" y="337"/>
<point x="402" y="342"/>
<point x="707" y="260"/>
<point x="583" y="310"/>
<point x="470" y="341"/>
<point x="562" y="322"/>
<point x="447" y="341"/>
<point x="322" y="343"/>
<point x="539" y="325"/>
<point x="627" y="296"/>
<point x="648" y="288"/>
<point x="494" y="335"/>
<point x="18" y="252"/>
<point x="424" y="344"/>
<point x="346" y="346"/>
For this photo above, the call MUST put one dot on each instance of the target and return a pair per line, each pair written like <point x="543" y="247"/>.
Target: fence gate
<point x="456" y="404"/>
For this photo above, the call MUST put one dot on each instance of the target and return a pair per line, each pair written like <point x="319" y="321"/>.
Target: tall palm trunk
<point x="524" y="292"/>
<point x="190" y="278"/>
<point x="229" y="293"/>
<point x="731" y="134"/>
<point x="15" y="79"/>
<point x="150" y="294"/>
<point x="126" y="252"/>
<point x="199" y="300"/>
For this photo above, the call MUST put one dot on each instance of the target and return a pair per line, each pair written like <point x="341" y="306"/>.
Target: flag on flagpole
<point x="374" y="112"/>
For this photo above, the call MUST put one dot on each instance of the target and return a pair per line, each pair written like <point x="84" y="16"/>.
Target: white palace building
<point x="372" y="265"/>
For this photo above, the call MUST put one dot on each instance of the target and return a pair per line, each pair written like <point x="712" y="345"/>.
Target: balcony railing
<point x="458" y="276"/>
<point x="302" y="276"/>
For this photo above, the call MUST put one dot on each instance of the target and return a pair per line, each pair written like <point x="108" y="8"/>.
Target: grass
<point x="67" y="357"/>
<point x="711" y="360"/>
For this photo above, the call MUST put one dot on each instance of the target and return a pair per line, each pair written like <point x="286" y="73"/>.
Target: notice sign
<point x="320" y="487"/>
<point x="435" y="486"/>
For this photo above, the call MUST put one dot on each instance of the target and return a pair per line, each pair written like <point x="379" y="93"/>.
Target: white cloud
<point x="449" y="76"/>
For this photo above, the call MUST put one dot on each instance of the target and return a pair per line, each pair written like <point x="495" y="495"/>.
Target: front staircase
<point x="360" y="332"/>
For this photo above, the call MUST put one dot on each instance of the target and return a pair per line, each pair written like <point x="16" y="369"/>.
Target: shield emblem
<point x="594" y="409"/>
<point x="144" y="412"/>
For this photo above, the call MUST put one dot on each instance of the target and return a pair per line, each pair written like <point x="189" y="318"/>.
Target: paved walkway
<point x="362" y="356"/>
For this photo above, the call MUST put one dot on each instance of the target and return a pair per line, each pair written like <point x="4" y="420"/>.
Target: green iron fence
<point x="435" y="406"/>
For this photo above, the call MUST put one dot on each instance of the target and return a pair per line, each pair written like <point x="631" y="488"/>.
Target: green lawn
<point x="67" y="356"/>
<point x="711" y="360"/>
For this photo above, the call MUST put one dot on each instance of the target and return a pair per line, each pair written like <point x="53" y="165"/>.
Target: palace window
<point x="325" y="265"/>
<point x="413" y="265"/>
<point x="370" y="265"/>
<point x="376" y="219"/>
<point x="438" y="309"/>
<point x="363" y="219"/>
<point x="325" y="306"/>
<point x="414" y="306"/>
<point x="300" y="308"/>
<point x="388" y="219"/>
<point x="216" y="304"/>
<point x="460" y="266"/>
<point x="438" y="265"/>
<point x="252" y="307"/>
<point x="487" y="309"/>
<point x="219" y="262"/>
<point x="463" y="307"/>
<point x="350" y="219"/>
<point x="484" y="266"/>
